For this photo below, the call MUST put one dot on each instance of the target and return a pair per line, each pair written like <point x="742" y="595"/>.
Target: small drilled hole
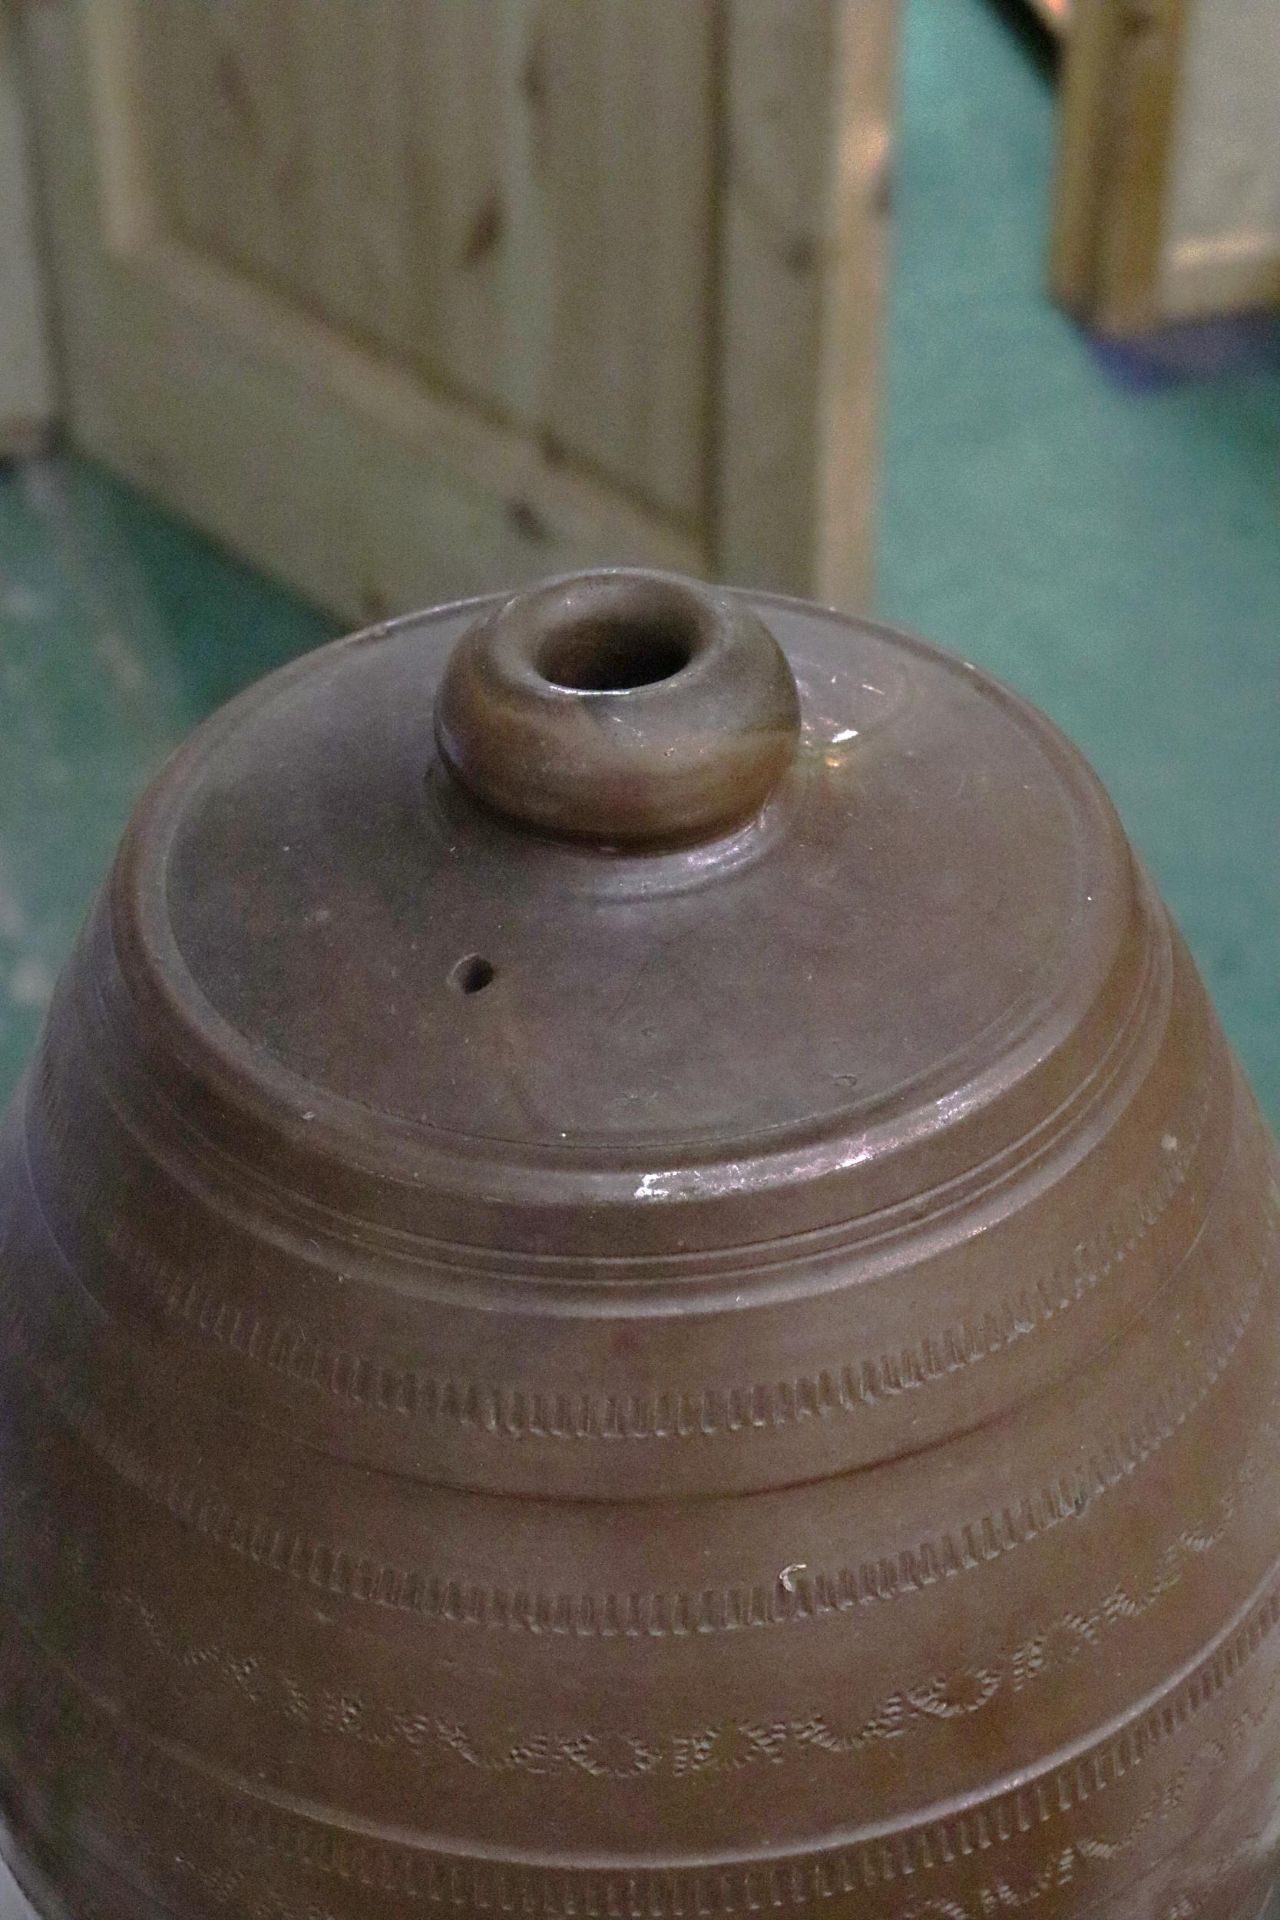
<point x="613" y="656"/>
<point x="472" y="974"/>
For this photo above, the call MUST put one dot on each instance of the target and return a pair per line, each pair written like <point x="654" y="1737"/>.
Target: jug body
<point x="637" y="1282"/>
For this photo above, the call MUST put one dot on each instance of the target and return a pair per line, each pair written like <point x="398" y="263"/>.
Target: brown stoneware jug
<point x="637" y="1285"/>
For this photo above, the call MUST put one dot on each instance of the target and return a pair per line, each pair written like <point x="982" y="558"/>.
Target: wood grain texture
<point x="806" y="189"/>
<point x="26" y="388"/>
<point x="855" y="288"/>
<point x="214" y="89"/>
<point x="1168" y="196"/>
<point x="1115" y="145"/>
<point x="403" y="299"/>
<point x="513" y="200"/>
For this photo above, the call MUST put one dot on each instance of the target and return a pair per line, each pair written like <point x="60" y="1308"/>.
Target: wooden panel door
<point x="405" y="299"/>
<point x="1167" y="204"/>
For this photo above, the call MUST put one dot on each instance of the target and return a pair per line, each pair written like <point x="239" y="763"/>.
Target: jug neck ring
<point x="624" y="708"/>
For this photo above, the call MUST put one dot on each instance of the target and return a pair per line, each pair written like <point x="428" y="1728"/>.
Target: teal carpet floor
<point x="1112" y="551"/>
<point x="1109" y="547"/>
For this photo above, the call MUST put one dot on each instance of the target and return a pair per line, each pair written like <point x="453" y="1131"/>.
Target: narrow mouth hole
<point x="614" y="656"/>
<point x="472" y="974"/>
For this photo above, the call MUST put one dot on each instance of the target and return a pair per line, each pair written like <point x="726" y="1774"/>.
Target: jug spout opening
<point x="626" y="708"/>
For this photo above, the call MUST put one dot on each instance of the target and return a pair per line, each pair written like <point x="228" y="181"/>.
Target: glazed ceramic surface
<point x="636" y="1283"/>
